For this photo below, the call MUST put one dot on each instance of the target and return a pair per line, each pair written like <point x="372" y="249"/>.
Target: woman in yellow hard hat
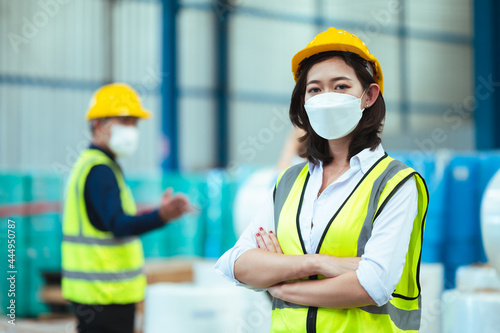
<point x="338" y="241"/>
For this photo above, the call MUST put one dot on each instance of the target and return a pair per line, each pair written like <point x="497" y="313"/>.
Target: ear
<point x="101" y="127"/>
<point x="371" y="95"/>
<point x="97" y="124"/>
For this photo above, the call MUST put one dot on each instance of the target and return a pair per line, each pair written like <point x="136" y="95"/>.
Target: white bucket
<point x="474" y="278"/>
<point x="471" y="312"/>
<point x="431" y="284"/>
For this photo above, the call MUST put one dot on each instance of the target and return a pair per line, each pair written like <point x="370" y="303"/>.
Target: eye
<point x="342" y="87"/>
<point x="313" y="90"/>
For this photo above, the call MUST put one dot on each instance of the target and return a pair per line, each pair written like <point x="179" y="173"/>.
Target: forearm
<point x="261" y="269"/>
<point x="331" y="266"/>
<point x="344" y="291"/>
<point x="122" y="225"/>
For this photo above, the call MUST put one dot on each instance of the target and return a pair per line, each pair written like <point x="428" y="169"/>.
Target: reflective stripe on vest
<point x="80" y="239"/>
<point x="98" y="268"/>
<point x="348" y="237"/>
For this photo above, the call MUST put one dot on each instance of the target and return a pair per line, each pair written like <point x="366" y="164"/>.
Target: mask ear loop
<point x="362" y="98"/>
<point x="367" y="105"/>
<point x="363" y="93"/>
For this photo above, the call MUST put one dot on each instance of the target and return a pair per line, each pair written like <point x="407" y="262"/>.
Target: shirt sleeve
<point x="265" y="219"/>
<point x="384" y="258"/>
<point x="104" y="206"/>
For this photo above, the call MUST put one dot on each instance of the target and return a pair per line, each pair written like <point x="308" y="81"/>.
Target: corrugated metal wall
<point x="56" y="54"/>
<point x="59" y="51"/>
<point x="196" y="78"/>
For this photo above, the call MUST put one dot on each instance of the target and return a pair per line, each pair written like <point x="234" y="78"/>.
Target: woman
<point x="338" y="244"/>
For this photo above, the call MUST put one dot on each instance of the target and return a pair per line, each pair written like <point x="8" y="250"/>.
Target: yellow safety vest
<point x="346" y="236"/>
<point x="97" y="267"/>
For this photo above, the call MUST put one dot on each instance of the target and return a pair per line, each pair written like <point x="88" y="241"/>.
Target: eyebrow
<point x="338" y="78"/>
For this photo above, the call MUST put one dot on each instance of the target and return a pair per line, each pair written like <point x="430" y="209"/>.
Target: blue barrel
<point x="221" y="187"/>
<point x="462" y="212"/>
<point x="434" y="234"/>
<point x="450" y="272"/>
<point x="229" y="238"/>
<point x="425" y="165"/>
<point x="186" y="236"/>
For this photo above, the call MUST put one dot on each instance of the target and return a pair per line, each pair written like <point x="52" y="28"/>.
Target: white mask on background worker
<point x="123" y="140"/>
<point x="334" y="115"/>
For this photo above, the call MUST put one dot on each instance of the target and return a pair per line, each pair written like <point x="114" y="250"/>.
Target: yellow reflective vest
<point x="97" y="267"/>
<point x="346" y="236"/>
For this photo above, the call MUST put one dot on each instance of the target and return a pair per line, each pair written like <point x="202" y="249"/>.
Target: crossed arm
<point x="267" y="267"/>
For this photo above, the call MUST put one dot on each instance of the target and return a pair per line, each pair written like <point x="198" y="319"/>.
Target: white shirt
<point x="382" y="263"/>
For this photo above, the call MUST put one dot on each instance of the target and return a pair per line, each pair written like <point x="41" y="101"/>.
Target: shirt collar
<point x="108" y="154"/>
<point x="365" y="159"/>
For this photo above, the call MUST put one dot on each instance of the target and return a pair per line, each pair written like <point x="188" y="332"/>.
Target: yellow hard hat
<point x="338" y="40"/>
<point x="116" y="100"/>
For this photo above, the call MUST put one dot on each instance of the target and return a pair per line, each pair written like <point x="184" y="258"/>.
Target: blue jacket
<point x="104" y="209"/>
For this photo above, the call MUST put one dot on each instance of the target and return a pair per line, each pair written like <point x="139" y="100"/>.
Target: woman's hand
<point x="268" y="241"/>
<point x="276" y="290"/>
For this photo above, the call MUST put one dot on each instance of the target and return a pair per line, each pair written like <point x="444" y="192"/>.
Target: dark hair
<point x="365" y="135"/>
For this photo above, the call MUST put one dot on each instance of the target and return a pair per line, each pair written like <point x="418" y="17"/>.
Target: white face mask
<point x="334" y="115"/>
<point x="124" y="139"/>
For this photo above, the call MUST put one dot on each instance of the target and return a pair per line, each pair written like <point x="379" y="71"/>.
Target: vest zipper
<point x="312" y="314"/>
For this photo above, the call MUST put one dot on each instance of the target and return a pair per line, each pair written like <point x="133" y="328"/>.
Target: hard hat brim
<point x="142" y="113"/>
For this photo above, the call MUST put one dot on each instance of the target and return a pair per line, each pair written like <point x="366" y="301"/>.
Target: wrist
<point x="319" y="267"/>
<point x="163" y="215"/>
<point x="287" y="289"/>
<point x="313" y="265"/>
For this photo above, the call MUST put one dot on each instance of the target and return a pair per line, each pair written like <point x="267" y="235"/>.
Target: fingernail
<point x="261" y="229"/>
<point x="270" y="231"/>
<point x="257" y="234"/>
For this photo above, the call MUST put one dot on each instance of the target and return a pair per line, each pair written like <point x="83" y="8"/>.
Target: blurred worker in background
<point x="102" y="257"/>
<point x="338" y="242"/>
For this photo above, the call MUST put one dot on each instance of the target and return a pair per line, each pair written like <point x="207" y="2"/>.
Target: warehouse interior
<point x="215" y="75"/>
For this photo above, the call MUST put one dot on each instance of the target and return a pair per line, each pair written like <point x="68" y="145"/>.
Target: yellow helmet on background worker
<point x="338" y="40"/>
<point x="116" y="100"/>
